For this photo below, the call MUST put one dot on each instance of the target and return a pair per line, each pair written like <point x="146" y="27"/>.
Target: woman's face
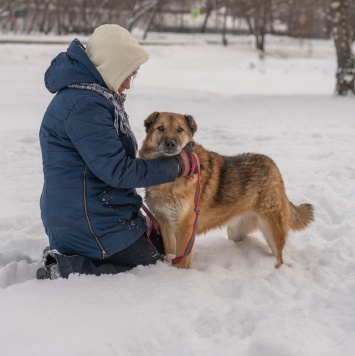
<point x="127" y="83"/>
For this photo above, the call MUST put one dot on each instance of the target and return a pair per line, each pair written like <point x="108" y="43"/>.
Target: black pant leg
<point x="84" y="265"/>
<point x="141" y="252"/>
<point x="157" y="241"/>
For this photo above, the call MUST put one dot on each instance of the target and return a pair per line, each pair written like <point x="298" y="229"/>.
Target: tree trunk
<point x="44" y="18"/>
<point x="341" y="33"/>
<point x="34" y="17"/>
<point x="140" y="11"/>
<point x="224" y="30"/>
<point x="257" y="16"/>
<point x="260" y="42"/>
<point x="209" y="8"/>
<point x="150" y="21"/>
<point x="245" y="14"/>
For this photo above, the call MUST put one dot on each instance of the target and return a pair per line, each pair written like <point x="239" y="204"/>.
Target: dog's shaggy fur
<point x="244" y="192"/>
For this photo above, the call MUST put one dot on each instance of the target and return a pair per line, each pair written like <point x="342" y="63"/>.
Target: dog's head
<point x="167" y="134"/>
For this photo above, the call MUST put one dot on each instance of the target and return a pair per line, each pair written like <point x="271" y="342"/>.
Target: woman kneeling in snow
<point x="89" y="207"/>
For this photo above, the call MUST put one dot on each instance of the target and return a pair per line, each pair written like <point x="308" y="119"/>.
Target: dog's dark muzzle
<point x="170" y="146"/>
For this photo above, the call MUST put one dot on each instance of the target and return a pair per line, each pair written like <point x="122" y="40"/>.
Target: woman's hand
<point x="184" y="160"/>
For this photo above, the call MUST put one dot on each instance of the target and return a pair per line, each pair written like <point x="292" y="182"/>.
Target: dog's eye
<point x="180" y="129"/>
<point x="161" y="128"/>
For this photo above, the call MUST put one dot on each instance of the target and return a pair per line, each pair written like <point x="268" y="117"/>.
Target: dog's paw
<point x="185" y="263"/>
<point x="169" y="258"/>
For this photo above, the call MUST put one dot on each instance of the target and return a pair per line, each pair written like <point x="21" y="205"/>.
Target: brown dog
<point x="243" y="192"/>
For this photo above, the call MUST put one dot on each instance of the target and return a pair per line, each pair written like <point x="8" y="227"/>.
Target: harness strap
<point x="190" y="244"/>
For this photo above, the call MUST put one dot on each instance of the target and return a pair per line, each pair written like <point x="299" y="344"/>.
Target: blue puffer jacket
<point x="88" y="204"/>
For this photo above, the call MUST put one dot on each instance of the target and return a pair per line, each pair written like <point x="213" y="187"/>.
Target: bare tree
<point x="341" y="33"/>
<point x="305" y="18"/>
<point x="151" y="18"/>
<point x="258" y="15"/>
<point x="141" y="8"/>
<point x="44" y="21"/>
<point x="210" y="6"/>
<point x="352" y="19"/>
<point x="8" y="9"/>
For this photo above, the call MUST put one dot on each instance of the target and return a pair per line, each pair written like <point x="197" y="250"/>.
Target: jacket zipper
<point x="104" y="253"/>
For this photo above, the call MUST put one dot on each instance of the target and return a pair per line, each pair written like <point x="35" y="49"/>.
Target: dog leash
<point x="190" y="244"/>
<point x="152" y="221"/>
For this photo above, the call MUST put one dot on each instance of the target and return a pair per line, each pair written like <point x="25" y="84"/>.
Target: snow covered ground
<point x="233" y="301"/>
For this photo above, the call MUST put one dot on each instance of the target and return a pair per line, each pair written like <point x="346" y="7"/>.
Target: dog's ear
<point x="150" y="120"/>
<point x="191" y="122"/>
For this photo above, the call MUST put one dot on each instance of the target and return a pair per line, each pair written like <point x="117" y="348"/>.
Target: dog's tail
<point x="301" y="216"/>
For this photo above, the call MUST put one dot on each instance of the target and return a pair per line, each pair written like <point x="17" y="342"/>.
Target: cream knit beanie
<point x="115" y="54"/>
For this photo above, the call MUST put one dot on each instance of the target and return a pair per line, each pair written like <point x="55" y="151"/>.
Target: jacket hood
<point x="115" y="54"/>
<point x="71" y="67"/>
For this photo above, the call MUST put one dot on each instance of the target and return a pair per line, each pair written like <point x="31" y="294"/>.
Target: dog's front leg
<point x="169" y="239"/>
<point x="183" y="233"/>
<point x="185" y="262"/>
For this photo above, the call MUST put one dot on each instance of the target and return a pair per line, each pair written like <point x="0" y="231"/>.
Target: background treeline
<point x="296" y="18"/>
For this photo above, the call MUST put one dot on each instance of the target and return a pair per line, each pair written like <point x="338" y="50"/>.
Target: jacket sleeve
<point x="91" y="130"/>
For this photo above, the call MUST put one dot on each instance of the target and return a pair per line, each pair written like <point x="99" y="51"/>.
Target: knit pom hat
<point x="115" y="54"/>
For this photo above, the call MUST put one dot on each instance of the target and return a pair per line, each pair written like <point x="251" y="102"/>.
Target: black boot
<point x="48" y="272"/>
<point x="49" y="269"/>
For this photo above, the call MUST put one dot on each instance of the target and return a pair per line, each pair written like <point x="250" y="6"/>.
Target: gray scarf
<point x="121" y="122"/>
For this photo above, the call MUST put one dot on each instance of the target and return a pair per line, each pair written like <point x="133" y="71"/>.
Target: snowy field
<point x="233" y="301"/>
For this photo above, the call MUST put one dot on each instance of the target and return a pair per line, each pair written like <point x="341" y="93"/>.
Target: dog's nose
<point x="170" y="144"/>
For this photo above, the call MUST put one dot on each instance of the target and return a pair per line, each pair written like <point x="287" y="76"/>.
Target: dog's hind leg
<point x="240" y="226"/>
<point x="275" y="235"/>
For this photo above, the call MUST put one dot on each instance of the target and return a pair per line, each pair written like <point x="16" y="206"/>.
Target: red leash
<point x="152" y="221"/>
<point x="190" y="244"/>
